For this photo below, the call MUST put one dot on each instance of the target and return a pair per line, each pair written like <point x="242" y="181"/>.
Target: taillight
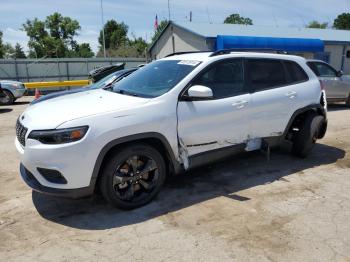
<point x="321" y="85"/>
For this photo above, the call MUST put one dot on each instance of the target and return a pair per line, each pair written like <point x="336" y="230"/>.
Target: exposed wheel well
<point x="153" y="142"/>
<point x="298" y="119"/>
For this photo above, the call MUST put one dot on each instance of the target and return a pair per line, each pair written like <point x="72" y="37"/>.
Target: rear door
<point x="221" y="121"/>
<point x="274" y="98"/>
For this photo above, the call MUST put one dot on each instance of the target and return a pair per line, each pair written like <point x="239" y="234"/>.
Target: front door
<point x="333" y="84"/>
<point x="221" y="121"/>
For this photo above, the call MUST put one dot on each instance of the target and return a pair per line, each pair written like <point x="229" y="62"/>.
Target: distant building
<point x="332" y="46"/>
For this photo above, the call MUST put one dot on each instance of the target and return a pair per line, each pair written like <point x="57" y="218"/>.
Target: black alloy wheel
<point x="133" y="176"/>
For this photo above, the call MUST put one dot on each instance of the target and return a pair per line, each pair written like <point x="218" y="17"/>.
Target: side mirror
<point x="199" y="92"/>
<point x="340" y="73"/>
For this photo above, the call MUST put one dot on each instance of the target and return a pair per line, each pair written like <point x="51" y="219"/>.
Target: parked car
<point x="12" y="90"/>
<point x="105" y="82"/>
<point x="337" y="85"/>
<point x="168" y="117"/>
<point x="2" y="94"/>
<point x="101" y="72"/>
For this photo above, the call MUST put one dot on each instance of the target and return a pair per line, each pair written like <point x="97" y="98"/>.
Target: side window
<point x="295" y="72"/>
<point x="224" y="78"/>
<point x="313" y="68"/>
<point x="325" y="70"/>
<point x="265" y="73"/>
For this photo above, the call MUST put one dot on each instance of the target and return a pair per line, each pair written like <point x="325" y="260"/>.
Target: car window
<point x="295" y="72"/>
<point x="265" y="73"/>
<point x="224" y="78"/>
<point x="325" y="70"/>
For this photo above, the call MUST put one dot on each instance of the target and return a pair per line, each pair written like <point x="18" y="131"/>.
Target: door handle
<point x="291" y="94"/>
<point x="240" y="104"/>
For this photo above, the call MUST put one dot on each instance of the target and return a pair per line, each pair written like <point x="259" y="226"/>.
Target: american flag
<point x="156" y="23"/>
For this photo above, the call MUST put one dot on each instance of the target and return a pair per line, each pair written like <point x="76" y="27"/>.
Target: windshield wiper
<point x="125" y="92"/>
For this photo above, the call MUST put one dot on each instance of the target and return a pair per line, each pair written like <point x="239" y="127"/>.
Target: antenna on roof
<point x="209" y="19"/>
<point x="274" y="18"/>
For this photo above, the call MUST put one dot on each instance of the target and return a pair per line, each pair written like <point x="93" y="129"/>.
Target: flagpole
<point x="169" y="8"/>
<point x="103" y="32"/>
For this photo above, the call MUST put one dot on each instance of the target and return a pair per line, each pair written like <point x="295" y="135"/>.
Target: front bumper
<point x="32" y="182"/>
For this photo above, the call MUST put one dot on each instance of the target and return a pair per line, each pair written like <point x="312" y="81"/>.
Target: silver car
<point x="12" y="91"/>
<point x="337" y="85"/>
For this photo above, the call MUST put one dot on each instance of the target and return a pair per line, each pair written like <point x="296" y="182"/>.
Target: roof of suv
<point x="205" y="56"/>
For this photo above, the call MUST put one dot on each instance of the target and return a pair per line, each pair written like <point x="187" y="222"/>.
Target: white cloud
<point x="14" y="36"/>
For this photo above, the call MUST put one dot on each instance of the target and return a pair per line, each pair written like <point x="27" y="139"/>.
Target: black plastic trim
<point x="177" y="167"/>
<point x="305" y="109"/>
<point x="32" y="182"/>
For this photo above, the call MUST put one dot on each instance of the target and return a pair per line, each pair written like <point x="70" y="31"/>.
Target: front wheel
<point x="133" y="176"/>
<point x="8" y="99"/>
<point x="309" y="130"/>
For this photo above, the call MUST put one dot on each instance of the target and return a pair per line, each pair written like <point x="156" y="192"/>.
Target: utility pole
<point x="169" y="8"/>
<point x="190" y="16"/>
<point x="103" y="32"/>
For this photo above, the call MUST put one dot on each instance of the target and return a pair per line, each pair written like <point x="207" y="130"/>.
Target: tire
<point x="347" y="102"/>
<point x="121" y="183"/>
<point x="8" y="99"/>
<point x="305" y="139"/>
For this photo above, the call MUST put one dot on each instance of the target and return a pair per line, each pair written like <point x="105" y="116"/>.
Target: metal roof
<point x="212" y="30"/>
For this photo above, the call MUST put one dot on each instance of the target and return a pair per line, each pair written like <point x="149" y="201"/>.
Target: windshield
<point x="156" y="78"/>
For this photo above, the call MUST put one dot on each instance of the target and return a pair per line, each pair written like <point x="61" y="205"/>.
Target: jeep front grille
<point x="21" y="132"/>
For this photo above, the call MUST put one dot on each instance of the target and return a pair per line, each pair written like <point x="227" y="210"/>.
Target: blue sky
<point x="139" y="14"/>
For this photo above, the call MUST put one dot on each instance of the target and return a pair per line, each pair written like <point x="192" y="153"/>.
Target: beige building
<point x="332" y="46"/>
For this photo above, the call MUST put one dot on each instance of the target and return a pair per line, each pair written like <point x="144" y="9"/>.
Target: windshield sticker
<point x="188" y="62"/>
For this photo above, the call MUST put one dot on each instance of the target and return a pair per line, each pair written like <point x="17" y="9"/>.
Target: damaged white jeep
<point x="172" y="115"/>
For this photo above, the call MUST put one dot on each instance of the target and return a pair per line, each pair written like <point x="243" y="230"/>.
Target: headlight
<point x="59" y="136"/>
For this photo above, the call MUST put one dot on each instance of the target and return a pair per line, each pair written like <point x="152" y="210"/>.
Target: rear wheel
<point x="133" y="176"/>
<point x="8" y="99"/>
<point x="347" y="102"/>
<point x="305" y="139"/>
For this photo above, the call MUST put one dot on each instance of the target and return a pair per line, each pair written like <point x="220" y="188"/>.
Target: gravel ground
<point x="243" y="209"/>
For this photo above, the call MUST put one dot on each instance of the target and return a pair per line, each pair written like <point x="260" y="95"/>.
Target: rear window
<point x="265" y="73"/>
<point x="295" y="72"/>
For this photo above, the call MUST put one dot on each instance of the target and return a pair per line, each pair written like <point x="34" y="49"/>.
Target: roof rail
<point x="260" y="50"/>
<point x="187" y="52"/>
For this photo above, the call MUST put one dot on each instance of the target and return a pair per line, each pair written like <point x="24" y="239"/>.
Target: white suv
<point x="172" y="115"/>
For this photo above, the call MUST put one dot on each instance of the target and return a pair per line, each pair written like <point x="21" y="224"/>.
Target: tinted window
<point x="265" y="73"/>
<point x="295" y="72"/>
<point x="322" y="69"/>
<point x="156" y="78"/>
<point x="224" y="78"/>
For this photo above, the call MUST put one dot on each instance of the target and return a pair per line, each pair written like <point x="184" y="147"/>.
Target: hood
<point x="52" y="113"/>
<point x="57" y="94"/>
<point x="9" y="82"/>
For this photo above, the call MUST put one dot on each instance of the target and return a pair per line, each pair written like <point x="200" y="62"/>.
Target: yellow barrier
<point x="56" y="84"/>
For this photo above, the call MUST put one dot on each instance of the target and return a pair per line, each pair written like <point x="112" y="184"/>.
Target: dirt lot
<point x="243" y="209"/>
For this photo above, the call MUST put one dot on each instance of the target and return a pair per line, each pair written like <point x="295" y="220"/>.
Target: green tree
<point x="237" y="19"/>
<point x="115" y="35"/>
<point x="342" y="21"/>
<point x="53" y="37"/>
<point x="159" y="30"/>
<point x="139" y="45"/>
<point x="19" y="51"/>
<point x="316" y="24"/>
<point x="9" y="51"/>
<point x="83" y="50"/>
